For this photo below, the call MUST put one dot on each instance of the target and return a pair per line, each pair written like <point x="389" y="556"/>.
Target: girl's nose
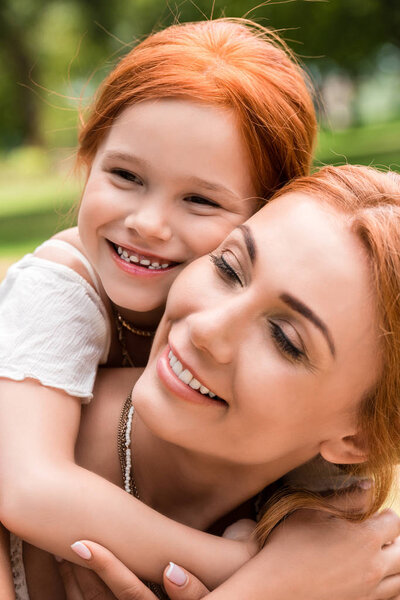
<point x="151" y="220"/>
<point x="218" y="330"/>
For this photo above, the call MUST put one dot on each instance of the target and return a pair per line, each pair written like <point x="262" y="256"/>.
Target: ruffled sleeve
<point x="53" y="327"/>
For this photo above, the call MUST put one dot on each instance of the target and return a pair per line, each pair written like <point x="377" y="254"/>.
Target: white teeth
<point x="144" y="262"/>
<point x="195" y="384"/>
<point x="164" y="266"/>
<point x="125" y="254"/>
<point x="155" y="265"/>
<point x="134" y="258"/>
<point x="119" y="250"/>
<point x="185" y="376"/>
<point x="177" y="368"/>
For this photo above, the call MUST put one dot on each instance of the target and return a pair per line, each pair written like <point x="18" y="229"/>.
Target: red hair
<point x="370" y="199"/>
<point x="230" y="63"/>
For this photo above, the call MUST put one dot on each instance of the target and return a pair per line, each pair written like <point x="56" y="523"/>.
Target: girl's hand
<point x="311" y="556"/>
<point x="122" y="584"/>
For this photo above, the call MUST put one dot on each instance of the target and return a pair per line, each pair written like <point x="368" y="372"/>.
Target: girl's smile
<point x="169" y="182"/>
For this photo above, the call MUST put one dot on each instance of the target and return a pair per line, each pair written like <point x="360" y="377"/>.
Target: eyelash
<point x="225" y="269"/>
<point x="279" y="337"/>
<point x="284" y="343"/>
<point x="126" y="175"/>
<point x="202" y="201"/>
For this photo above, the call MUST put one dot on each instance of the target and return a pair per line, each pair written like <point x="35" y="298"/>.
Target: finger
<point x="72" y="590"/>
<point x="121" y="581"/>
<point x="182" y="585"/>
<point x="92" y="587"/>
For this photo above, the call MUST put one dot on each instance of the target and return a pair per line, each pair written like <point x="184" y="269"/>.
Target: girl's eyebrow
<point x="304" y="310"/>
<point x="115" y="155"/>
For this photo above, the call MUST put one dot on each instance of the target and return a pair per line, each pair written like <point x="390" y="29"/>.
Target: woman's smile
<point x="179" y="379"/>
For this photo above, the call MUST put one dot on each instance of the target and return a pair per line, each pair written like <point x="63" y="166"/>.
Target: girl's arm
<point x="50" y="501"/>
<point x="6" y="580"/>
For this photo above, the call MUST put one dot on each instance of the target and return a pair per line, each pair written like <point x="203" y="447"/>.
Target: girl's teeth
<point x="145" y="262"/>
<point x="203" y="389"/>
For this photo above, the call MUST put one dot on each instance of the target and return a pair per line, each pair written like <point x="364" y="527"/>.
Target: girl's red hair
<point x="230" y="63"/>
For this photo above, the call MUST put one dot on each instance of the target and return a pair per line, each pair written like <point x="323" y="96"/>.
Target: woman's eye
<point x="225" y="269"/>
<point x="202" y="201"/>
<point x="284" y="343"/>
<point x="126" y="175"/>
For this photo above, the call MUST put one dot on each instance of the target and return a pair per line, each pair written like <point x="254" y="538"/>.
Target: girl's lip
<point x="177" y="387"/>
<point x="136" y="268"/>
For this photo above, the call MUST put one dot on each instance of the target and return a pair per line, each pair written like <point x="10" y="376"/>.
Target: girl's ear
<point x="346" y="450"/>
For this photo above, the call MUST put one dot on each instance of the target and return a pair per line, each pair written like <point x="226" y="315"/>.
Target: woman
<point x="291" y="346"/>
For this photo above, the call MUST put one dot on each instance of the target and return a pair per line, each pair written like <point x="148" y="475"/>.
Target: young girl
<point x="189" y="131"/>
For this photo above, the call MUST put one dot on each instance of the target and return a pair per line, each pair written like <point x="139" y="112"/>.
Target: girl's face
<point x="169" y="182"/>
<point x="280" y="325"/>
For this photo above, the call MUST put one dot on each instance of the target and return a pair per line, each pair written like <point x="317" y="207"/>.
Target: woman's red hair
<point x="370" y="201"/>
<point x="230" y="63"/>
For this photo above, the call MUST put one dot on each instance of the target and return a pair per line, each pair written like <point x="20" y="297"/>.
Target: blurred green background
<point x="54" y="53"/>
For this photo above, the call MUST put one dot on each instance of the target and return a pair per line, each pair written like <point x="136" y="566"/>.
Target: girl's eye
<point x="126" y="175"/>
<point x="202" y="201"/>
<point x="284" y="343"/>
<point x="225" y="269"/>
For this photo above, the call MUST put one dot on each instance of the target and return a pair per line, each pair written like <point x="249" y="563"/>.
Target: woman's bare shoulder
<point x="96" y="448"/>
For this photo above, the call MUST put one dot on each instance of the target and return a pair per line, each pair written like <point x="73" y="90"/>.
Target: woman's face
<point x="281" y="325"/>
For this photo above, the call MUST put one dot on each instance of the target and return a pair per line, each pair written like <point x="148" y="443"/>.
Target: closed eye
<point x="225" y="269"/>
<point x="284" y="344"/>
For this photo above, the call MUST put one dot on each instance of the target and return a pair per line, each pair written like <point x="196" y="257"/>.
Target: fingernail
<point x="58" y="558"/>
<point x="81" y="550"/>
<point x="365" y="484"/>
<point x="176" y="574"/>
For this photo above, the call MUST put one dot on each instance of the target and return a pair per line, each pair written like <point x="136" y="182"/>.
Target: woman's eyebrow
<point x="249" y="241"/>
<point x="304" y="310"/>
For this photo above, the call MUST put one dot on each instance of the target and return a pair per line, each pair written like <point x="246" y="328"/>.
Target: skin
<point x="197" y="448"/>
<point x="217" y="326"/>
<point x="170" y="181"/>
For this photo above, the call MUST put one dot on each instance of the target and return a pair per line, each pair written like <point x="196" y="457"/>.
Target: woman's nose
<point x="151" y="220"/>
<point x="218" y="330"/>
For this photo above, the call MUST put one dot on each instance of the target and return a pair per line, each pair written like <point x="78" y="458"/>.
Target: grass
<point x="32" y="208"/>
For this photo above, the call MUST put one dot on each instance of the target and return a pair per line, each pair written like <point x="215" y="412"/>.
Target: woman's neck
<point x="194" y="489"/>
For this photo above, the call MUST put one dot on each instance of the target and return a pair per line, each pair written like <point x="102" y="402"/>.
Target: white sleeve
<point x="53" y="327"/>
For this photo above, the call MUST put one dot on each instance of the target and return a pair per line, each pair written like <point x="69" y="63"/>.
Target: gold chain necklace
<point x="122" y="325"/>
<point x="127" y="472"/>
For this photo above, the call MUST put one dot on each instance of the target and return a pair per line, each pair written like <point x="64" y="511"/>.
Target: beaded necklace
<point x="126" y="462"/>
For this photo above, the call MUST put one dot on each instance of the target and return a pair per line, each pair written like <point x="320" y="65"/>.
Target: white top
<point x="54" y="326"/>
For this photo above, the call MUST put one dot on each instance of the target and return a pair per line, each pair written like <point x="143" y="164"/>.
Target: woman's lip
<point x="177" y="387"/>
<point x="136" y="268"/>
<point x="137" y="251"/>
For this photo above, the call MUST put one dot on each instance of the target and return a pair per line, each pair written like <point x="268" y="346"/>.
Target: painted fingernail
<point x="176" y="574"/>
<point x="81" y="550"/>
